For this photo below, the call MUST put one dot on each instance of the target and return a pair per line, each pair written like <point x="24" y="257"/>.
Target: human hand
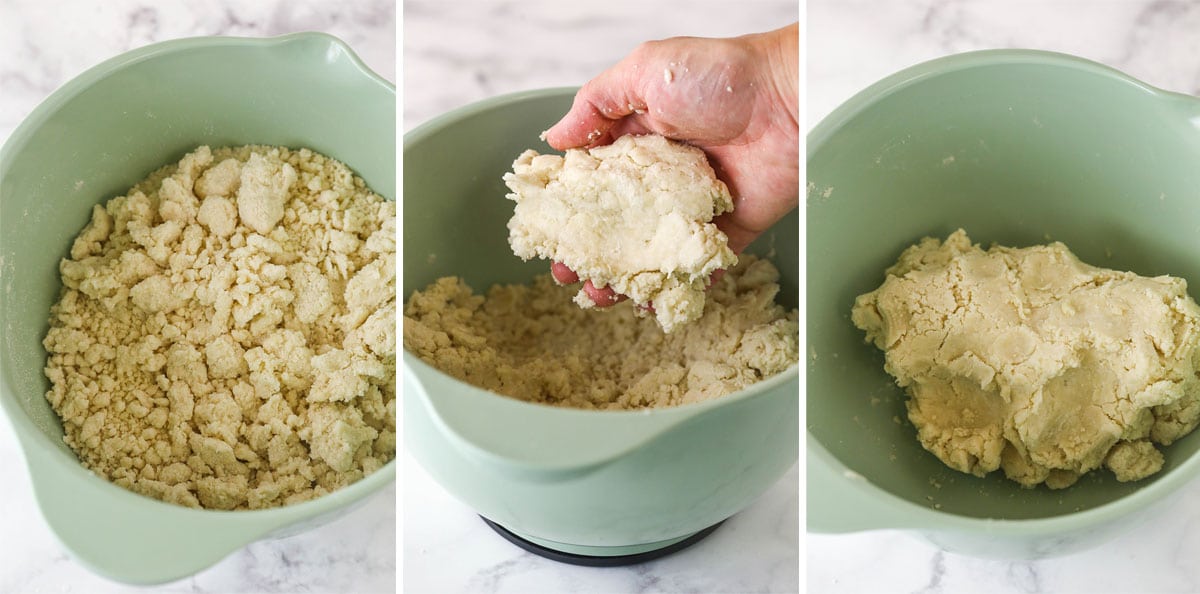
<point x="737" y="99"/>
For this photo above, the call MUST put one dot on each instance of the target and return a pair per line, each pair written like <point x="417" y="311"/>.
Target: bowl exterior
<point x="688" y="478"/>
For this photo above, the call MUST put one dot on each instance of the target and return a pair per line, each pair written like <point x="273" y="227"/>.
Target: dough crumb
<point x="1030" y="361"/>
<point x="635" y="215"/>
<point x="263" y="192"/>
<point x="186" y="347"/>
<point x="531" y="343"/>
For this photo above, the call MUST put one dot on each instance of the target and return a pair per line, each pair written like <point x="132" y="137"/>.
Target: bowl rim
<point x="432" y="125"/>
<point x="860" y="101"/>
<point x="904" y="513"/>
<point x="69" y="91"/>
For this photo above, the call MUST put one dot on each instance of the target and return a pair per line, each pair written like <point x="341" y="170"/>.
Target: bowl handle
<point x="841" y="500"/>
<point x="128" y="537"/>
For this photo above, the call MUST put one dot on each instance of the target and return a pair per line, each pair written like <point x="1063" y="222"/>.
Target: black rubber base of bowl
<point x="595" y="560"/>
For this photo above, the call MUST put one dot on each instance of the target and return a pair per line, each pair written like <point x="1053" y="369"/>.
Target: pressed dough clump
<point x="225" y="336"/>
<point x="1033" y="362"/>
<point x="531" y="343"/>
<point x="635" y="215"/>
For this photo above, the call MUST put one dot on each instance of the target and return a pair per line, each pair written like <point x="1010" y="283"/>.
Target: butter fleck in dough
<point x="531" y="343"/>
<point x="635" y="215"/>
<point x="1033" y="362"/>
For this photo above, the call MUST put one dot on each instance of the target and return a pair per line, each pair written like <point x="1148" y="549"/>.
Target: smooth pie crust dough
<point x="635" y="215"/>
<point x="1034" y="362"/>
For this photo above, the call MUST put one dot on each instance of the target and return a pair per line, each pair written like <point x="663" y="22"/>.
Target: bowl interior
<point x="1017" y="149"/>
<point x="455" y="212"/>
<point x="117" y="123"/>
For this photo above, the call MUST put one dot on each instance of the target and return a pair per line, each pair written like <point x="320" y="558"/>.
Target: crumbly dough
<point x="635" y="215"/>
<point x="225" y="337"/>
<point x="531" y="343"/>
<point x="1034" y="362"/>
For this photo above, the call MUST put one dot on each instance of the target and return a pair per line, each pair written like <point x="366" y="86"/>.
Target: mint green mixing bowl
<point x="598" y="483"/>
<point x="90" y="141"/>
<point x="1016" y="147"/>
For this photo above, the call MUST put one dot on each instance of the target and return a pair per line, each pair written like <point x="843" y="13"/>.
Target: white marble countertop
<point x="456" y="53"/>
<point x="447" y="548"/>
<point x="854" y="43"/>
<point x="43" y="45"/>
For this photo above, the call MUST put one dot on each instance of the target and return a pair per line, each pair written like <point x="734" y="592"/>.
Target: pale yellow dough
<point x="225" y="337"/>
<point x="1033" y="362"/>
<point x="635" y="215"/>
<point x="531" y="343"/>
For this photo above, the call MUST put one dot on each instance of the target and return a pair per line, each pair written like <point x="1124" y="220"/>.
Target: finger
<point x="583" y="126"/>
<point x="715" y="277"/>
<point x="629" y="125"/>
<point x="739" y="237"/>
<point x="650" y="122"/>
<point x="604" y="100"/>
<point x="563" y="275"/>
<point x="605" y="297"/>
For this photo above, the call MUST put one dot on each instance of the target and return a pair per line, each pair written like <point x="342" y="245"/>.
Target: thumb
<point x="598" y="105"/>
<point x="583" y="126"/>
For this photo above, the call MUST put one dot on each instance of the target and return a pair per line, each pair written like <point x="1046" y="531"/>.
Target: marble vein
<point x="1024" y="576"/>
<point x="937" y="570"/>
